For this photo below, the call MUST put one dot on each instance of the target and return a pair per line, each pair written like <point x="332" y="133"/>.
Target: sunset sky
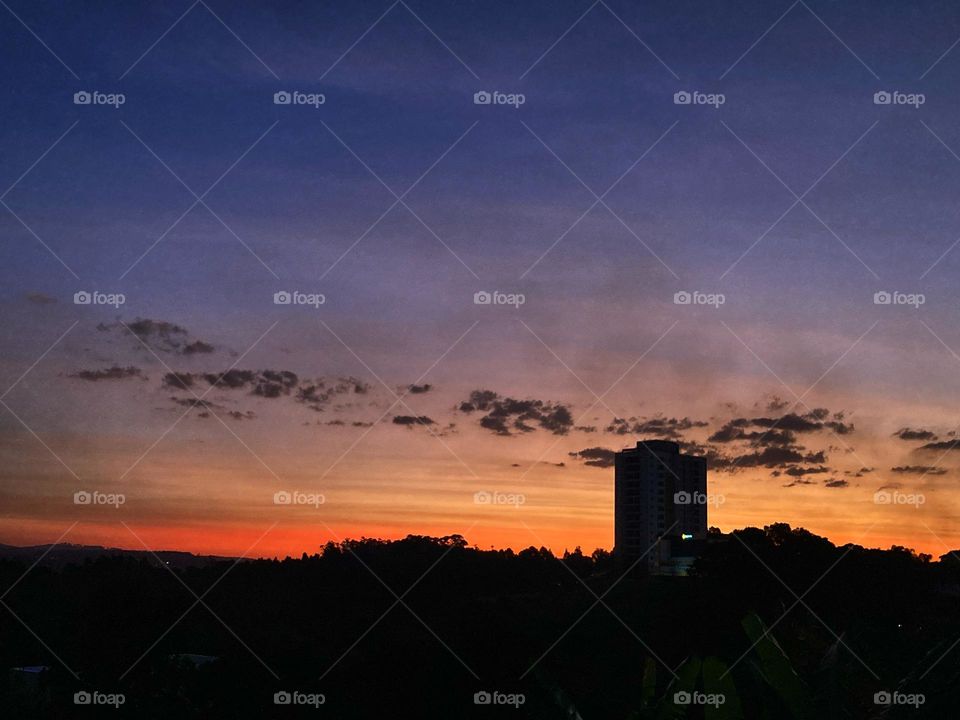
<point x="797" y="199"/>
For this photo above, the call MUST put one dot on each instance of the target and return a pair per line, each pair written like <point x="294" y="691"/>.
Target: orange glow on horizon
<point x="279" y="541"/>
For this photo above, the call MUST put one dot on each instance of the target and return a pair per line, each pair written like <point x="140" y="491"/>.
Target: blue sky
<point x="705" y="199"/>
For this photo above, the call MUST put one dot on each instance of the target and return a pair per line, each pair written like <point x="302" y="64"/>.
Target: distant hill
<point x="65" y="554"/>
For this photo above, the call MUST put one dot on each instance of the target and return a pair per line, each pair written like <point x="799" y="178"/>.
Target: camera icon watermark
<point x="698" y="498"/>
<point x="296" y="697"/>
<point x="684" y="97"/>
<point x="95" y="697"/>
<point x="95" y="497"/>
<point x="295" y="297"/>
<point x="484" y="497"/>
<point x="296" y="497"/>
<point x="515" y="100"/>
<point x="94" y="97"/>
<point x="295" y="97"/>
<point x="484" y="697"/>
<point x="885" y="697"/>
<point x="895" y="97"/>
<point x="895" y="497"/>
<point x="482" y="297"/>
<point x="699" y="698"/>
<point x="695" y="297"/>
<point x="914" y="300"/>
<point x="99" y="298"/>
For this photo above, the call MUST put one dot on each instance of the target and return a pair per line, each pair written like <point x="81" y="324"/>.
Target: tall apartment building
<point x="660" y="504"/>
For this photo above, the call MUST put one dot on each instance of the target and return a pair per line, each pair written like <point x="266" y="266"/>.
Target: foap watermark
<point x="295" y="697"/>
<point x="483" y="497"/>
<point x="885" y="697"/>
<point x="895" y="497"/>
<point x="482" y="297"/>
<point x="714" y="300"/>
<point x="99" y="298"/>
<point x="85" y="697"/>
<point x="895" y="97"/>
<point x="295" y="297"/>
<point x="95" y="497"/>
<point x="295" y="97"/>
<point x="482" y="97"/>
<point x="698" y="698"/>
<point x="296" y="497"/>
<point x="95" y="97"/>
<point x="914" y="300"/>
<point x="684" y="97"/>
<point x="698" y="498"/>
<point x="496" y="697"/>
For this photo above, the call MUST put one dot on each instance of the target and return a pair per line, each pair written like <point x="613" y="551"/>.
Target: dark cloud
<point x="730" y="432"/>
<point x="595" y="457"/>
<point x="734" y="432"/>
<point x="207" y="408"/>
<point x="274" y="383"/>
<point x="776" y="404"/>
<point x="840" y="428"/>
<point x="359" y="386"/>
<point x="770" y="457"/>
<point x="798" y="482"/>
<point x="780" y="430"/>
<point x="160" y="335"/>
<point x="317" y="394"/>
<point x="419" y="389"/>
<point x="265" y="383"/>
<point x="314" y="394"/>
<point x="506" y="415"/>
<point x="145" y="328"/>
<point x="944" y="445"/>
<point x="178" y="380"/>
<point x="773" y="442"/>
<point x="694" y="448"/>
<point x="112" y="373"/>
<point x="801" y="471"/>
<point x="479" y="400"/>
<point x="411" y="420"/>
<point x="836" y="483"/>
<point x="196" y="403"/>
<point x="909" y="434"/>
<point x="919" y="470"/>
<point x="791" y="422"/>
<point x="40" y="298"/>
<point x="231" y="379"/>
<point x="658" y="426"/>
<point x="497" y="424"/>
<point x="197" y="347"/>
<point x="343" y="423"/>
<point x="586" y="428"/>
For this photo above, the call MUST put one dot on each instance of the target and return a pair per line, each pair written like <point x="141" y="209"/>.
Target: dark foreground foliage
<point x="779" y="621"/>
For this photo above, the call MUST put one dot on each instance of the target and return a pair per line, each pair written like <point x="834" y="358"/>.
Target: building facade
<point x="660" y="505"/>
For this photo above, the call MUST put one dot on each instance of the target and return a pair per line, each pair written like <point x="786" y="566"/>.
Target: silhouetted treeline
<point x="417" y="627"/>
